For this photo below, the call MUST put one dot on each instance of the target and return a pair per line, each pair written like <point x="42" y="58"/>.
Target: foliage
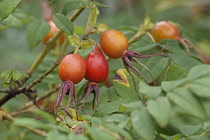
<point x="176" y="108"/>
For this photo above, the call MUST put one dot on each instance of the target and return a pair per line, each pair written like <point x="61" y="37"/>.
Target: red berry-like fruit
<point x="72" y="68"/>
<point x="165" y="30"/>
<point x="113" y="43"/>
<point x="97" y="68"/>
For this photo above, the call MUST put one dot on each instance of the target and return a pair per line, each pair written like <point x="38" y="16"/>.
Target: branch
<point x="27" y="106"/>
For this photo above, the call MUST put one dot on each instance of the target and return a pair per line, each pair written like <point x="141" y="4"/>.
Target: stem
<point x="76" y="50"/>
<point x="11" y="119"/>
<point x="137" y="36"/>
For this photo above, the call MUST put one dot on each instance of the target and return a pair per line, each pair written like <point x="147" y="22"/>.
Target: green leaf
<point x="96" y="133"/>
<point x="121" y="84"/>
<point x="102" y="27"/>
<point x="9" y="76"/>
<point x="143" y="124"/>
<point x="206" y="126"/>
<point x="131" y="106"/>
<point x="110" y="107"/>
<point x="184" y="61"/>
<point x="7" y="7"/>
<point x="175" y="137"/>
<point x="6" y="74"/>
<point x="73" y="5"/>
<point x="45" y="115"/>
<point x="36" y="31"/>
<point x="32" y="123"/>
<point x="85" y="44"/>
<point x="189" y="130"/>
<point x="175" y="72"/>
<point x="63" y="23"/>
<point x="187" y="101"/>
<point x="160" y="110"/>
<point x="116" y="118"/>
<point x="198" y="72"/>
<point x="201" y="87"/>
<point x="99" y="4"/>
<point x="151" y="91"/>
<point x="56" y="135"/>
<point x="74" y="40"/>
<point x="12" y="21"/>
<point x="113" y="94"/>
<point x="156" y="65"/>
<point x="142" y="45"/>
<point x="16" y="75"/>
<point x="73" y="136"/>
<point x="170" y="85"/>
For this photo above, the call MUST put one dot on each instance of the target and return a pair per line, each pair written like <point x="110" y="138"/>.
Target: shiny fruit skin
<point x="165" y="30"/>
<point x="53" y="30"/>
<point x="97" y="68"/>
<point x="72" y="68"/>
<point x="113" y="43"/>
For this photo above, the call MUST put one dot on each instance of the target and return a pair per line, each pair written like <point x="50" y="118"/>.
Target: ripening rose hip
<point x="72" y="68"/>
<point x="97" y="68"/>
<point x="113" y="43"/>
<point x="53" y="30"/>
<point x="165" y="30"/>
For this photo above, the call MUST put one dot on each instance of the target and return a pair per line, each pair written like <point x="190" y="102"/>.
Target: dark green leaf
<point x="184" y="61"/>
<point x="156" y="65"/>
<point x="170" y="85"/>
<point x="175" y="72"/>
<point x="7" y="7"/>
<point x="36" y="31"/>
<point x="143" y="45"/>
<point x="198" y="72"/>
<point x="150" y="91"/>
<point x="160" y="110"/>
<point x="113" y="94"/>
<point x="73" y="5"/>
<point x="63" y="23"/>
<point x="201" y="87"/>
<point x="143" y="124"/>
<point x="110" y="107"/>
<point x="189" y="130"/>
<point x="187" y="101"/>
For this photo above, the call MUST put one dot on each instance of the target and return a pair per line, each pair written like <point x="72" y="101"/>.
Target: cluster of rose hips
<point x="73" y="67"/>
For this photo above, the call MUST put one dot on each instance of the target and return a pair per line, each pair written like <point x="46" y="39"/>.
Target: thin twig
<point x="11" y="119"/>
